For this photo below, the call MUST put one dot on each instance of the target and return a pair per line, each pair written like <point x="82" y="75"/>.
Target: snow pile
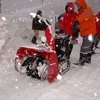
<point x="4" y="36"/>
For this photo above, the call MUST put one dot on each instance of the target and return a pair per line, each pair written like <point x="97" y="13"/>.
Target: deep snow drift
<point x="79" y="83"/>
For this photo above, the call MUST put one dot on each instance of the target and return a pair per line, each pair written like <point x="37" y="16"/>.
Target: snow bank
<point x="4" y="36"/>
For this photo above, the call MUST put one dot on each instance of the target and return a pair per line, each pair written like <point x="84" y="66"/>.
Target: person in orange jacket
<point x="66" y="21"/>
<point x="85" y="21"/>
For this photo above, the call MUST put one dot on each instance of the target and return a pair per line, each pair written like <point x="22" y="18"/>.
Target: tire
<point x="64" y="66"/>
<point x="44" y="73"/>
<point x="18" y="65"/>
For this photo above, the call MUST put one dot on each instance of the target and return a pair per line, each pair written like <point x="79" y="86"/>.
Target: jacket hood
<point x="71" y="5"/>
<point x="82" y="3"/>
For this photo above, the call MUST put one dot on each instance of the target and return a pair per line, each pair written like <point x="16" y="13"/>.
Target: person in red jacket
<point x="66" y="22"/>
<point x="97" y="29"/>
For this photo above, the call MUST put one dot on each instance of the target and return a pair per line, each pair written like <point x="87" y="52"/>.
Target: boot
<point x="88" y="59"/>
<point x="96" y="45"/>
<point x="97" y="42"/>
<point x="68" y="50"/>
<point x="34" y="40"/>
<point x="81" y="61"/>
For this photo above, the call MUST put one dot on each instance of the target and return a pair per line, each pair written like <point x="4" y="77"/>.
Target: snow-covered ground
<point x="79" y="83"/>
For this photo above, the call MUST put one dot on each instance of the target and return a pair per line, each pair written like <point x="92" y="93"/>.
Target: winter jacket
<point x="98" y="24"/>
<point x="35" y="24"/>
<point x="67" y="20"/>
<point x="86" y="18"/>
<point x="38" y="24"/>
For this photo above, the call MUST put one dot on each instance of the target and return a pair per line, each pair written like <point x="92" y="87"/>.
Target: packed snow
<point x="79" y="83"/>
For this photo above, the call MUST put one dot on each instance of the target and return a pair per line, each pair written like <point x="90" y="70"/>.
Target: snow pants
<point x="68" y="46"/>
<point x="86" y="50"/>
<point x="97" y="40"/>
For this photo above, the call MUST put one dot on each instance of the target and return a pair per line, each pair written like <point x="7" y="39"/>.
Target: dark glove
<point x="74" y="42"/>
<point x="76" y="33"/>
<point x="60" y="31"/>
<point x="44" y="25"/>
<point x="75" y="25"/>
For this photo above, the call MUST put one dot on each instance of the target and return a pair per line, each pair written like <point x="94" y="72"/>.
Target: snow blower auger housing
<point x="30" y="60"/>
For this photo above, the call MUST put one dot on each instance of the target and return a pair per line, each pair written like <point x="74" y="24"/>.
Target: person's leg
<point x="88" y="60"/>
<point x="36" y="34"/>
<point x="97" y="41"/>
<point x="68" y="50"/>
<point x="85" y="52"/>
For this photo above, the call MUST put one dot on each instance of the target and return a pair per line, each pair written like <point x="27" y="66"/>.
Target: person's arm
<point x="62" y="22"/>
<point x="74" y="37"/>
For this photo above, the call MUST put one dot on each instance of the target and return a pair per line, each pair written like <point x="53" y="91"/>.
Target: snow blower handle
<point x="33" y="15"/>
